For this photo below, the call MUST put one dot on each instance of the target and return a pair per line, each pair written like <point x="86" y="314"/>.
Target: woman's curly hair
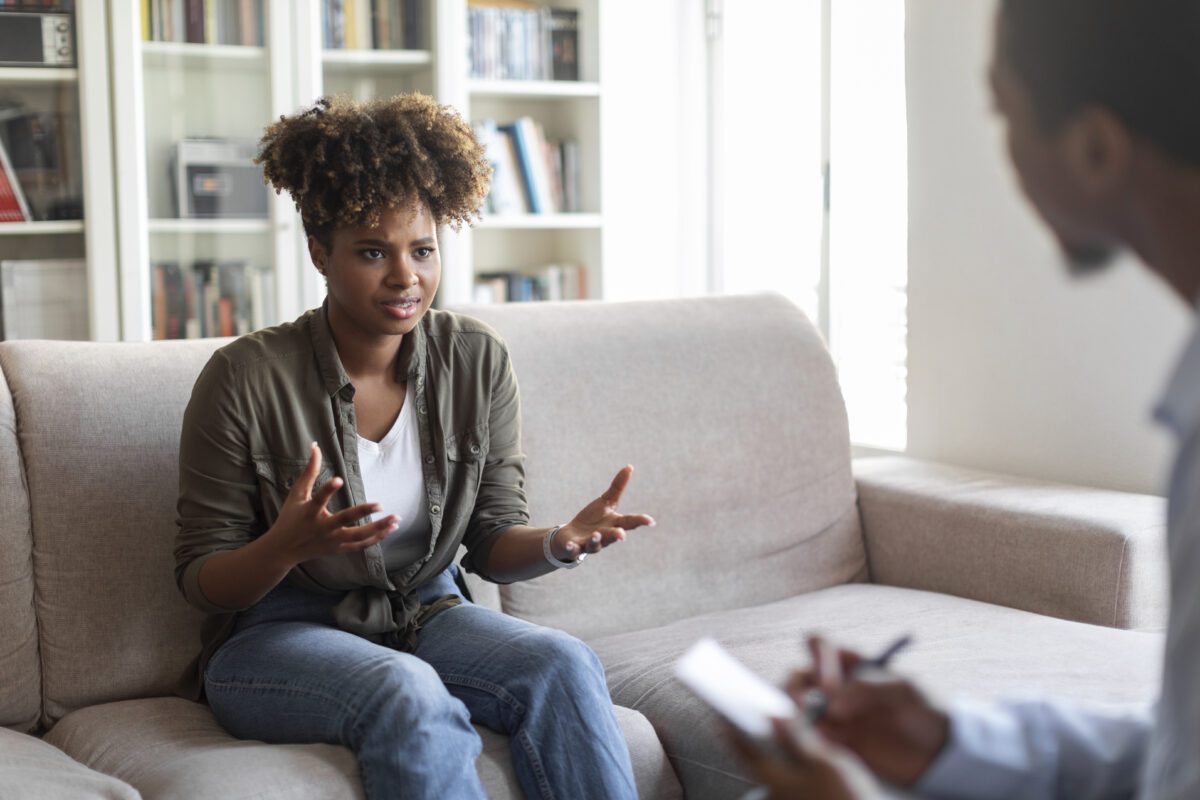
<point x="345" y="161"/>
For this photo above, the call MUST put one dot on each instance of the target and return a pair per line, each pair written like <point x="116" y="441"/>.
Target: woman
<point x="328" y="625"/>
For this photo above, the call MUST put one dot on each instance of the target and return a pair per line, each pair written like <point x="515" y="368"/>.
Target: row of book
<point x="373" y="24"/>
<point x="514" y="40"/>
<point x="209" y="298"/>
<point x="530" y="174"/>
<point x="553" y="283"/>
<point x="238" y="22"/>
<point x="43" y="299"/>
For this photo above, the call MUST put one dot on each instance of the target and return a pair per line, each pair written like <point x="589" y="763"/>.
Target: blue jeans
<point x="287" y="675"/>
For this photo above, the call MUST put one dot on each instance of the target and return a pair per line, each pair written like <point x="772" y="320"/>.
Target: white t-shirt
<point x="392" y="477"/>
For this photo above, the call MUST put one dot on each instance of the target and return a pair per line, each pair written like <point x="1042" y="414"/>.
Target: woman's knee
<point x="405" y="687"/>
<point x="562" y="654"/>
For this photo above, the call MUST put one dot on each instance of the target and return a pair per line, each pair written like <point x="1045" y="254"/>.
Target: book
<point x="209" y="298"/>
<point x="564" y="44"/>
<point x="556" y="282"/>
<point x="13" y="207"/>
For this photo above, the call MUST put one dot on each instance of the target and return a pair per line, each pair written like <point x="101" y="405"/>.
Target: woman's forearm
<point x="517" y="555"/>
<point x="237" y="579"/>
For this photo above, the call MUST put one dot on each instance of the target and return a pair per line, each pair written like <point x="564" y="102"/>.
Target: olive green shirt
<point x="262" y="399"/>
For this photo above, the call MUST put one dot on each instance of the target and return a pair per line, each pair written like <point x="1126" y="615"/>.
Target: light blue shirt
<point x="1040" y="750"/>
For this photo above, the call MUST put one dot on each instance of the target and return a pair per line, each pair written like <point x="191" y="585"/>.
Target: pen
<point x="815" y="701"/>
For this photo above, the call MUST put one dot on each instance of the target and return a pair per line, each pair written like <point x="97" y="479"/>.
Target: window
<point x="807" y="102"/>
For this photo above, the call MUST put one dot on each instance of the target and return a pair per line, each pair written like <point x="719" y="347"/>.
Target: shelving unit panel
<point x="40" y="228"/>
<point x="162" y="54"/>
<point x="532" y="90"/>
<point x="23" y="76"/>
<point x="212" y="227"/>
<point x="380" y="60"/>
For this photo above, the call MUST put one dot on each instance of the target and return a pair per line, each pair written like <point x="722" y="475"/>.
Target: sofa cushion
<point x="172" y="748"/>
<point x="21" y="689"/>
<point x="961" y="647"/>
<point x="30" y="769"/>
<point x="729" y="409"/>
<point x="99" y="427"/>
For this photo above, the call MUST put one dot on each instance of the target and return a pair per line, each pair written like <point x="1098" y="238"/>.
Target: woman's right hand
<point x="306" y="530"/>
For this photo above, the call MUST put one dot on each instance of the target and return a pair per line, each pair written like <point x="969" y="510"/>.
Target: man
<point x="1102" y="103"/>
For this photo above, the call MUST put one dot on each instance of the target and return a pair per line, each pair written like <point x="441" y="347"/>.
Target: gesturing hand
<point x="599" y="524"/>
<point x="306" y="530"/>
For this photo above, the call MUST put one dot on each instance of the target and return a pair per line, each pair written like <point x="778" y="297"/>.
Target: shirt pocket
<point x="466" y="453"/>
<point x="277" y="476"/>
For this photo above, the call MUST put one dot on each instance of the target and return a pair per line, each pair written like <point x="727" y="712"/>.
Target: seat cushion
<point x="173" y="749"/>
<point x="730" y="411"/>
<point x="30" y="769"/>
<point x="961" y="647"/>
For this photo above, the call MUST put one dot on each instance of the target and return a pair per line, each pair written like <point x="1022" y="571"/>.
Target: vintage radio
<point x="30" y="39"/>
<point x="218" y="178"/>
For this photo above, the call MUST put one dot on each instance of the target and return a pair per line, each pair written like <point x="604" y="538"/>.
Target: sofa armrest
<point x="1088" y="555"/>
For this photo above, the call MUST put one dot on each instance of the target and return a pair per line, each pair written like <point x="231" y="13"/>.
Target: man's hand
<point x="889" y="725"/>
<point x="599" y="524"/>
<point x="306" y="530"/>
<point x="794" y="769"/>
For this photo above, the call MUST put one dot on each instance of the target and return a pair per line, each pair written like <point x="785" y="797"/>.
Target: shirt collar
<point x="1179" y="408"/>
<point x="409" y="363"/>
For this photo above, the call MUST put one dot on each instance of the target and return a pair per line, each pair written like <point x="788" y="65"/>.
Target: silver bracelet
<point x="550" y="557"/>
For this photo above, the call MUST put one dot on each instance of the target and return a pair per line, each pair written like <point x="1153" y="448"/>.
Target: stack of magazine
<point x="209" y="298"/>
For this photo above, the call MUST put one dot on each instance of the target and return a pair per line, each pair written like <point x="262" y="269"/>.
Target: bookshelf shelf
<point x="16" y="76"/>
<point x="209" y="226"/>
<point x="533" y="89"/>
<point x="540" y="222"/>
<point x="41" y="228"/>
<point x="164" y="53"/>
<point x="358" y="59"/>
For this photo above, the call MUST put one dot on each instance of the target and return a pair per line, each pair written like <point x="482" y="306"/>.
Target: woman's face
<point x="382" y="279"/>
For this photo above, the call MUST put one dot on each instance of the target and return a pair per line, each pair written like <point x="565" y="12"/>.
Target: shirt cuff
<point x="989" y="755"/>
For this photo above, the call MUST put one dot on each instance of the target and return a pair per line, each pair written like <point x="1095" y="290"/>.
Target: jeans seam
<point x="493" y="689"/>
<point x="536" y="764"/>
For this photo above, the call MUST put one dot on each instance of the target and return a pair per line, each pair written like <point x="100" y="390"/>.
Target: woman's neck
<point x="363" y="355"/>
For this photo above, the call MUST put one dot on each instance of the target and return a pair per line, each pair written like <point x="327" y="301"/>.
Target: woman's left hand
<point x="599" y="524"/>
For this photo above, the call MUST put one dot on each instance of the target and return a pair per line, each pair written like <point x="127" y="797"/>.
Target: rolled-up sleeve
<point x="218" y="491"/>
<point x="501" y="502"/>
<point x="1038" y="751"/>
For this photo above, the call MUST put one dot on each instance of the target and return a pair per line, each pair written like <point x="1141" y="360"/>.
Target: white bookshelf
<point x="138" y="98"/>
<point x="81" y="91"/>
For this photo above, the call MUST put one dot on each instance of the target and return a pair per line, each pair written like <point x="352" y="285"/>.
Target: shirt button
<point x="428" y="459"/>
<point x="474" y="449"/>
<point x="435" y="510"/>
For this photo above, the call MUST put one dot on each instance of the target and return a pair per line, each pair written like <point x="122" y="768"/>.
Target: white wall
<point x="1013" y="366"/>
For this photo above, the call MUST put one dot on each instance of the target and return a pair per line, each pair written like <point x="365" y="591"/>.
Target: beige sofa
<point x="729" y="409"/>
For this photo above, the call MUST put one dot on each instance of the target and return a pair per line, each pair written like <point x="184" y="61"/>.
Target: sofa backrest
<point x="21" y="685"/>
<point x="730" y="411"/>
<point x="98" y="426"/>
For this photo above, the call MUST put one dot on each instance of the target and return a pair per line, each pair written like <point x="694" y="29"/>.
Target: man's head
<point x="1093" y="91"/>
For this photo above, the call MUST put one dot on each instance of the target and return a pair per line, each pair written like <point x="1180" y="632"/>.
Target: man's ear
<point x="1099" y="151"/>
